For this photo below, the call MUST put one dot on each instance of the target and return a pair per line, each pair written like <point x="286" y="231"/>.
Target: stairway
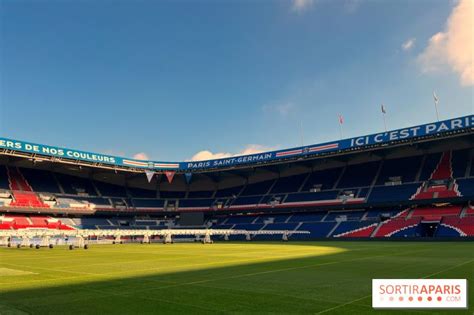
<point x="443" y="171"/>
<point x="22" y="192"/>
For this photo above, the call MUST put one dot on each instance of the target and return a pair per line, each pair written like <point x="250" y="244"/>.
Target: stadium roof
<point x="415" y="134"/>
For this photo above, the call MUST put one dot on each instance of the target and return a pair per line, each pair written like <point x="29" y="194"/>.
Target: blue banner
<point x="441" y="127"/>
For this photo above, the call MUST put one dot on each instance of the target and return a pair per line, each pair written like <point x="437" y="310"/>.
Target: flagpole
<point x="435" y="98"/>
<point x="436" y="108"/>
<point x="301" y="131"/>
<point x="341" y="121"/>
<point x="382" y="108"/>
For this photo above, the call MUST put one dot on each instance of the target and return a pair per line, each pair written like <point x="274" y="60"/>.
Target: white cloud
<point x="301" y="5"/>
<point x="408" y="44"/>
<point x="141" y="156"/>
<point x="249" y="149"/>
<point x="282" y="109"/>
<point x="453" y="47"/>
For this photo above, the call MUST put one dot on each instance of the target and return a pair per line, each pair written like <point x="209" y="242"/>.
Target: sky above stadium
<point x="180" y="80"/>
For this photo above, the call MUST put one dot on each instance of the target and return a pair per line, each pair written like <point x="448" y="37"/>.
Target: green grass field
<point x="307" y="278"/>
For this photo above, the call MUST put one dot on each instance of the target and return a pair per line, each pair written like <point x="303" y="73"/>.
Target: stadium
<point x="405" y="195"/>
<point x="236" y="157"/>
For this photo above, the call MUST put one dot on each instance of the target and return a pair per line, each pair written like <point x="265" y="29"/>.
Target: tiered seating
<point x="325" y="178"/>
<point x="355" y="229"/>
<point x="4" y="183"/>
<point x="148" y="203"/>
<point x="24" y="222"/>
<point x="228" y="192"/>
<point x="141" y="193"/>
<point x="288" y="184"/>
<point x="442" y="172"/>
<point x="398" y="227"/>
<point x="349" y="215"/>
<point x="92" y="223"/>
<point x="309" y="217"/>
<point x="392" y="193"/>
<point x="459" y="160"/>
<point x="436" y="212"/>
<point x="312" y="196"/>
<point x="359" y="175"/>
<point x="377" y="214"/>
<point x="196" y="203"/>
<point x="469" y="211"/>
<point x="40" y="181"/>
<point x="406" y="168"/>
<point x="466" y="187"/>
<point x="431" y="161"/>
<point x="277" y="218"/>
<point x="27" y="199"/>
<point x="246" y="200"/>
<point x="75" y="185"/>
<point x="241" y="219"/>
<point x="23" y="195"/>
<point x="274" y="227"/>
<point x="463" y="226"/>
<point x="110" y="190"/>
<point x="260" y="188"/>
<point x="316" y="229"/>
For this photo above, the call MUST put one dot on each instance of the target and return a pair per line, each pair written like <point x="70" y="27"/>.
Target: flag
<point x="149" y="175"/>
<point x="341" y="119"/>
<point x="170" y="175"/>
<point x="382" y="107"/>
<point x="188" y="177"/>
<point x="435" y="97"/>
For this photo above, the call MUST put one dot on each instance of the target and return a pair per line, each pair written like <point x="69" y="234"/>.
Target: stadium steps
<point x="376" y="178"/>
<point x="97" y="191"/>
<point x="374" y="232"/>
<point x="333" y="229"/>
<point x="288" y="219"/>
<point x="469" y="164"/>
<point x="365" y="231"/>
<point x="296" y="228"/>
<point x="339" y="178"/>
<point x="303" y="184"/>
<point x="225" y="221"/>
<point x="464" y="211"/>
<point x="324" y="218"/>
<point x="61" y="189"/>
<point x="422" y="164"/>
<point x="269" y="189"/>
<point x="443" y="169"/>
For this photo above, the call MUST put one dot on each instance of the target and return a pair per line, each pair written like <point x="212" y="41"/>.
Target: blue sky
<point x="172" y="78"/>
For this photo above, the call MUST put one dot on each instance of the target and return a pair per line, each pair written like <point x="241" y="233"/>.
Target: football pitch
<point x="284" y="278"/>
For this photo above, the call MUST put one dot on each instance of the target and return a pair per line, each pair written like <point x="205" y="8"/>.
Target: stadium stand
<point x="415" y="192"/>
